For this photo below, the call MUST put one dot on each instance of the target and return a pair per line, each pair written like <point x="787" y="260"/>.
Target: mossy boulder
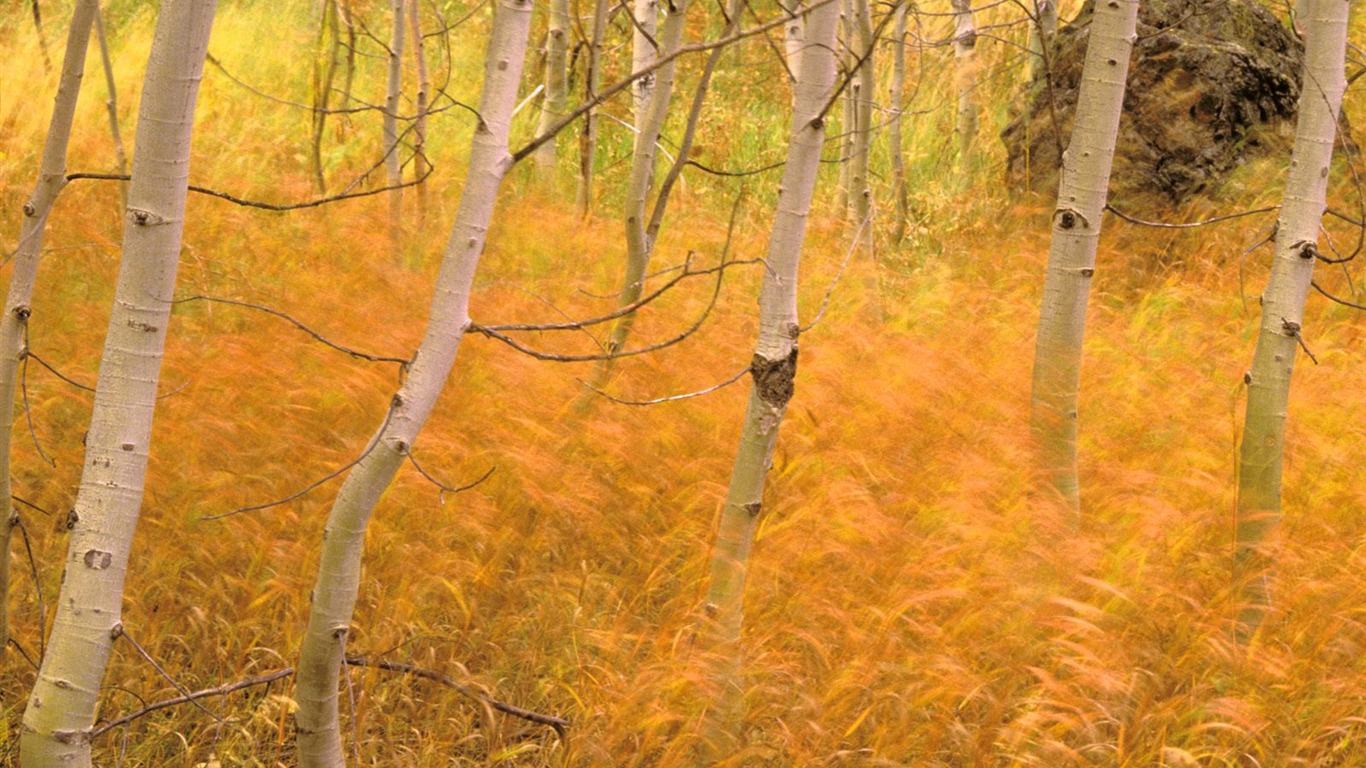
<point x="1212" y="84"/>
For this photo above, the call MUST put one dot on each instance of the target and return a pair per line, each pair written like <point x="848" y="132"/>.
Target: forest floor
<point x="912" y="601"/>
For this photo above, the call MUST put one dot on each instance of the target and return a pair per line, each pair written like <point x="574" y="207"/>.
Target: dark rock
<point x="1212" y="84"/>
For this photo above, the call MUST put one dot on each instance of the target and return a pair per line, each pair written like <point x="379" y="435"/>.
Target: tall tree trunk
<point x="420" y="164"/>
<point x="773" y="369"/>
<point x="1282" y="326"/>
<point x="895" y="93"/>
<point x="111" y="105"/>
<point x="334" y="596"/>
<point x="649" y="126"/>
<point x="61" y="710"/>
<point x="324" y="71"/>
<point x="588" y="139"/>
<point x="644" y="52"/>
<point x="863" y="88"/>
<point x="556" y="84"/>
<point x="14" y="323"/>
<point x="848" y="111"/>
<point x="965" y="77"/>
<point x="794" y="34"/>
<point x="1042" y="29"/>
<point x="1076" y="231"/>
<point x="393" y="166"/>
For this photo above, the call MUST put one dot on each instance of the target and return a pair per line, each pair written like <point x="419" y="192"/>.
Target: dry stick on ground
<point x="186" y="698"/>
<point x="558" y="723"/>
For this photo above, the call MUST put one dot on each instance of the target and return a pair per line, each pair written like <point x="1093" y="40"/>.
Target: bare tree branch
<point x="1189" y="224"/>
<point x="444" y="488"/>
<point x="120" y="632"/>
<point x="670" y="398"/>
<point x="221" y="690"/>
<point x="297" y="324"/>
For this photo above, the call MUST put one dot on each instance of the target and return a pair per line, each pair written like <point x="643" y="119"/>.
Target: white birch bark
<point x="644" y="52"/>
<point x="556" y="84"/>
<point x="61" y="709"/>
<point x="794" y="33"/>
<point x="334" y="595"/>
<point x="965" y="78"/>
<point x="773" y="368"/>
<point x="393" y="167"/>
<point x="1042" y="29"/>
<point x="420" y="164"/>
<point x="1082" y="190"/>
<point x="51" y="180"/>
<point x="895" y="93"/>
<point x="1282" y="322"/>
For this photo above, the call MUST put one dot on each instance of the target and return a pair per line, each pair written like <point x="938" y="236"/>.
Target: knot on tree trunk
<point x="773" y="379"/>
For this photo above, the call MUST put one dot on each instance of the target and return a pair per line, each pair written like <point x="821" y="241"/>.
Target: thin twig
<point x="374" y="442"/>
<point x="119" y="631"/>
<point x="558" y="723"/>
<point x="28" y="412"/>
<point x="14" y="641"/>
<point x="267" y="206"/>
<point x="29" y="353"/>
<point x="37" y="586"/>
<point x="1188" y="224"/>
<point x="31" y="505"/>
<point x="443" y="489"/>
<point x="297" y="324"/>
<point x="221" y="690"/>
<point x="670" y="398"/>
<point x="1336" y="299"/>
<point x="830" y="291"/>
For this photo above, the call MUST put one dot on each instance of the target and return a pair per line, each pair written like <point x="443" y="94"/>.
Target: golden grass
<point x="910" y="603"/>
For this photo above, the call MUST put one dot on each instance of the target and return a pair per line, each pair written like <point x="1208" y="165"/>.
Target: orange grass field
<point x="911" y="603"/>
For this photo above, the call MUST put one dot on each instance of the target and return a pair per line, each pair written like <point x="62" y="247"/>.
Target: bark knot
<point x="22" y="312"/>
<point x="71" y="737"/>
<point x="773" y="379"/>
<point x="753" y="508"/>
<point x="29" y="210"/>
<point x="97" y="560"/>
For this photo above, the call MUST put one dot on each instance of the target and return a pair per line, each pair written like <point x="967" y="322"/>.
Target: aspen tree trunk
<point x="1082" y="190"/>
<point x="61" y="709"/>
<point x="420" y="164"/>
<point x="556" y="84"/>
<point x="1282" y="325"/>
<point x="773" y="368"/>
<point x="324" y="70"/>
<point x="1042" y="30"/>
<point x="794" y="32"/>
<point x="51" y="179"/>
<point x="895" y="94"/>
<point x="393" y="168"/>
<point x="848" y="111"/>
<point x="588" y="139"/>
<point x="649" y="125"/>
<point x="334" y="595"/>
<point x="964" y="43"/>
<point x="862" y="90"/>
<point x="111" y="105"/>
<point x="644" y="52"/>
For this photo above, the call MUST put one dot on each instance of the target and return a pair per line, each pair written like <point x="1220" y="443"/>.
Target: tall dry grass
<point x="910" y="604"/>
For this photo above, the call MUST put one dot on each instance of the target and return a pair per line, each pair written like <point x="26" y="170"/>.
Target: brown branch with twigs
<point x="18" y="522"/>
<point x="120" y="632"/>
<point x="267" y="206"/>
<point x="221" y="690"/>
<point x="1188" y="224"/>
<point x="297" y="324"/>
<point x="670" y="398"/>
<point x="557" y="723"/>
<point x="443" y="488"/>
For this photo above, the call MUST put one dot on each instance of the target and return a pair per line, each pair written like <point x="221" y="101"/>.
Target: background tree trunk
<point x="556" y="84"/>
<point x="965" y="76"/>
<point x="334" y="595"/>
<point x="1282" y="325"/>
<point x="1076" y="233"/>
<point x="645" y="47"/>
<point x="863" y="87"/>
<point x="588" y="138"/>
<point x="773" y="369"/>
<point x="393" y="165"/>
<point x="61" y="710"/>
<point x="895" y="93"/>
<point x="1042" y="28"/>
<point x="18" y="302"/>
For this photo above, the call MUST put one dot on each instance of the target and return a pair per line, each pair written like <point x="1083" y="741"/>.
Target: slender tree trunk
<point x="863" y="87"/>
<point x="14" y="323"/>
<point x="324" y="71"/>
<point x="794" y="34"/>
<point x="644" y="52"/>
<point x="42" y="38"/>
<point x="964" y="43"/>
<point x="848" y="111"/>
<point x="556" y="84"/>
<point x="1282" y="326"/>
<point x="1042" y="29"/>
<point x="649" y="125"/>
<point x="588" y="139"/>
<point x="61" y="710"/>
<point x="420" y="164"/>
<point x="393" y="167"/>
<point x="895" y="94"/>
<point x="1076" y="232"/>
<point x="773" y="368"/>
<point x="111" y="105"/>
<point x="334" y="596"/>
